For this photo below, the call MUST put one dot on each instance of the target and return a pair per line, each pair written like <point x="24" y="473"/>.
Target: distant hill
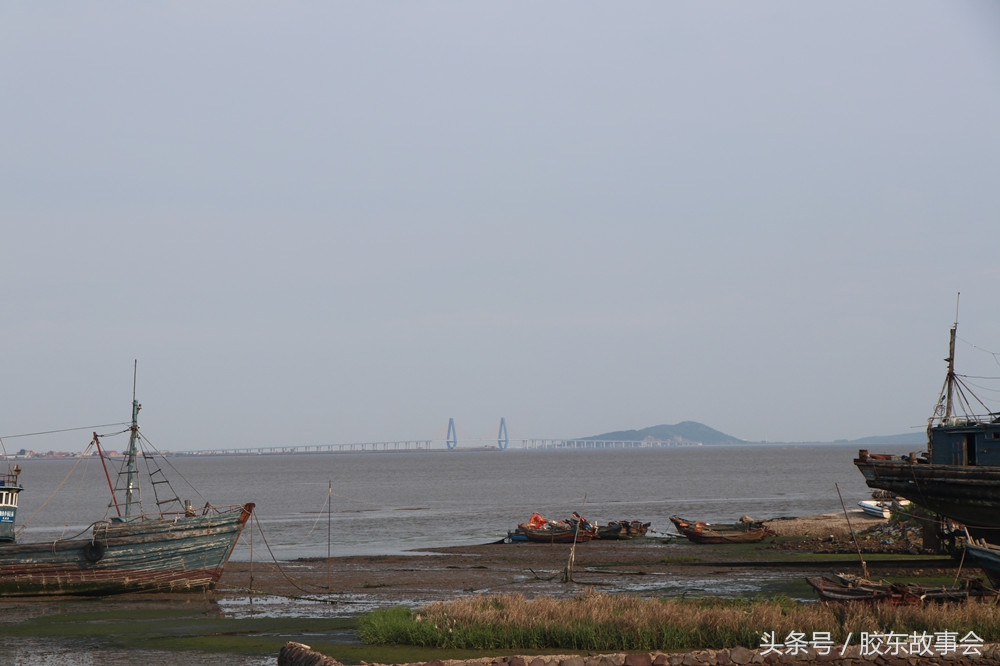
<point x="918" y="439"/>
<point x="686" y="432"/>
<point x="692" y="432"/>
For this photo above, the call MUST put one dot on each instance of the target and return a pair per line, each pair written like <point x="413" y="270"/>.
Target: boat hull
<point x="702" y="532"/>
<point x="987" y="558"/>
<point x="188" y="553"/>
<point x="966" y="494"/>
<point x="554" y="535"/>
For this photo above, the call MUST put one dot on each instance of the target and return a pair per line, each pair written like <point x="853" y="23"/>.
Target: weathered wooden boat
<point x="612" y="531"/>
<point x="541" y="530"/>
<point x="554" y="534"/>
<point x="743" y="531"/>
<point x="851" y="589"/>
<point x="169" y="551"/>
<point x="958" y="476"/>
<point x="986" y="556"/>
<point x="622" y="529"/>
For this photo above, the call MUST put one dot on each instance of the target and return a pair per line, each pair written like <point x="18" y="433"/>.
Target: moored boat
<point x="986" y="556"/>
<point x="175" y="548"/>
<point x="958" y="476"/>
<point x="882" y="508"/>
<point x="541" y="530"/>
<point x="622" y="529"/>
<point x="846" y="588"/>
<point x="745" y="530"/>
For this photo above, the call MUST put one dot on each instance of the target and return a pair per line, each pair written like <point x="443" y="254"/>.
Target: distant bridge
<point x="502" y="442"/>
<point x="408" y="445"/>
<point x="427" y="444"/>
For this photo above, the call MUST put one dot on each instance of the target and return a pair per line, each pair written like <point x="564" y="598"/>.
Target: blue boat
<point x="177" y="549"/>
<point x="958" y="476"/>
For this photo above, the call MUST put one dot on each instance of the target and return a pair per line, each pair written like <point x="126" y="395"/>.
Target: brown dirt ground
<point x="530" y="568"/>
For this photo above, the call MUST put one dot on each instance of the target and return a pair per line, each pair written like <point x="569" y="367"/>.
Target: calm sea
<point x="386" y="503"/>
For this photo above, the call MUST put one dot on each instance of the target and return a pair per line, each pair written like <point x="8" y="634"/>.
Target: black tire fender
<point x="94" y="551"/>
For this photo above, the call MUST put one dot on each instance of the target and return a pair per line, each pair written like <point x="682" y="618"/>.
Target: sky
<point x="316" y="223"/>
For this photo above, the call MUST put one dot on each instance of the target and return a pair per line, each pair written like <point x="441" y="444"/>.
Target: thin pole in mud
<point x="329" y="530"/>
<point x="568" y="574"/>
<point x="864" y="567"/>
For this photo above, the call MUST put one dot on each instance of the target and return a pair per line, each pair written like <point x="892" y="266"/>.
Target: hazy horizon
<point x="344" y="222"/>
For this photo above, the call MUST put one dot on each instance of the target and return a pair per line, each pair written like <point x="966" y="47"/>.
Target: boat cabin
<point x="9" y="490"/>
<point x="966" y="442"/>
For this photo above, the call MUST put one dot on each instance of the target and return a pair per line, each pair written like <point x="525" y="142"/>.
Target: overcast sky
<point x="327" y="222"/>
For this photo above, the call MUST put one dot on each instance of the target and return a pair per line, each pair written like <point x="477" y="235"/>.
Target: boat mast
<point x="132" y="446"/>
<point x="951" y="375"/>
<point x="949" y="397"/>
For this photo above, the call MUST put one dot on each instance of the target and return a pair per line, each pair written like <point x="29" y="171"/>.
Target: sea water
<point x="309" y="505"/>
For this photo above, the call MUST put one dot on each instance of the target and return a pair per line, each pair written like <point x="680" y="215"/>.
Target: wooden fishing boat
<point x="844" y="588"/>
<point x="555" y="534"/>
<point x="613" y="530"/>
<point x="986" y="556"/>
<point x="622" y="529"/>
<point x="958" y="476"/>
<point x="541" y="530"/>
<point x="174" y="549"/>
<point x="744" y="531"/>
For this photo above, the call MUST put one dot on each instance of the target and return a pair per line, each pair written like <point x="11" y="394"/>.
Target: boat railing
<point x="967" y="420"/>
<point x="8" y="480"/>
<point x="189" y="512"/>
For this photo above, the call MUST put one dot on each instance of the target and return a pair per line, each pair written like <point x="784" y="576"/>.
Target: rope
<point x="274" y="559"/>
<point x="53" y="493"/>
<point x="54" y="432"/>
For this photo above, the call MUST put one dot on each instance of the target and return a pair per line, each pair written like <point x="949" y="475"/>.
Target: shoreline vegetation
<point x="615" y="623"/>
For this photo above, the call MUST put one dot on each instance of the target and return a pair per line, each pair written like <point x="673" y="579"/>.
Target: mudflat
<point x="656" y="565"/>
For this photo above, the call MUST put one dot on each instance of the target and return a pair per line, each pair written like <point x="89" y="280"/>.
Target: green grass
<point x="599" y="622"/>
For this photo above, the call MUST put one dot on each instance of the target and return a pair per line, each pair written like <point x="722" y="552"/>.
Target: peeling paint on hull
<point x="187" y="553"/>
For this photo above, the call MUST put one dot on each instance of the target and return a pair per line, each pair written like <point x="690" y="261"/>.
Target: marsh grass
<point x="616" y="622"/>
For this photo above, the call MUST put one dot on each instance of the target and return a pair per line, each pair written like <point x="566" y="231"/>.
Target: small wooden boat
<point x="744" y="531"/>
<point x="622" y="529"/>
<point x="612" y="531"/>
<point x="541" y="530"/>
<point x="844" y="588"/>
<point x="986" y="556"/>
<point x="556" y="534"/>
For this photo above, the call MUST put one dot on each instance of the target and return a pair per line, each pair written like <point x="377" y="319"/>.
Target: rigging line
<point x="275" y="559"/>
<point x="77" y="495"/>
<point x="53" y="432"/>
<point x="321" y="512"/>
<point x="984" y="388"/>
<point x="173" y="469"/>
<point x="976" y="347"/>
<point x="53" y="493"/>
